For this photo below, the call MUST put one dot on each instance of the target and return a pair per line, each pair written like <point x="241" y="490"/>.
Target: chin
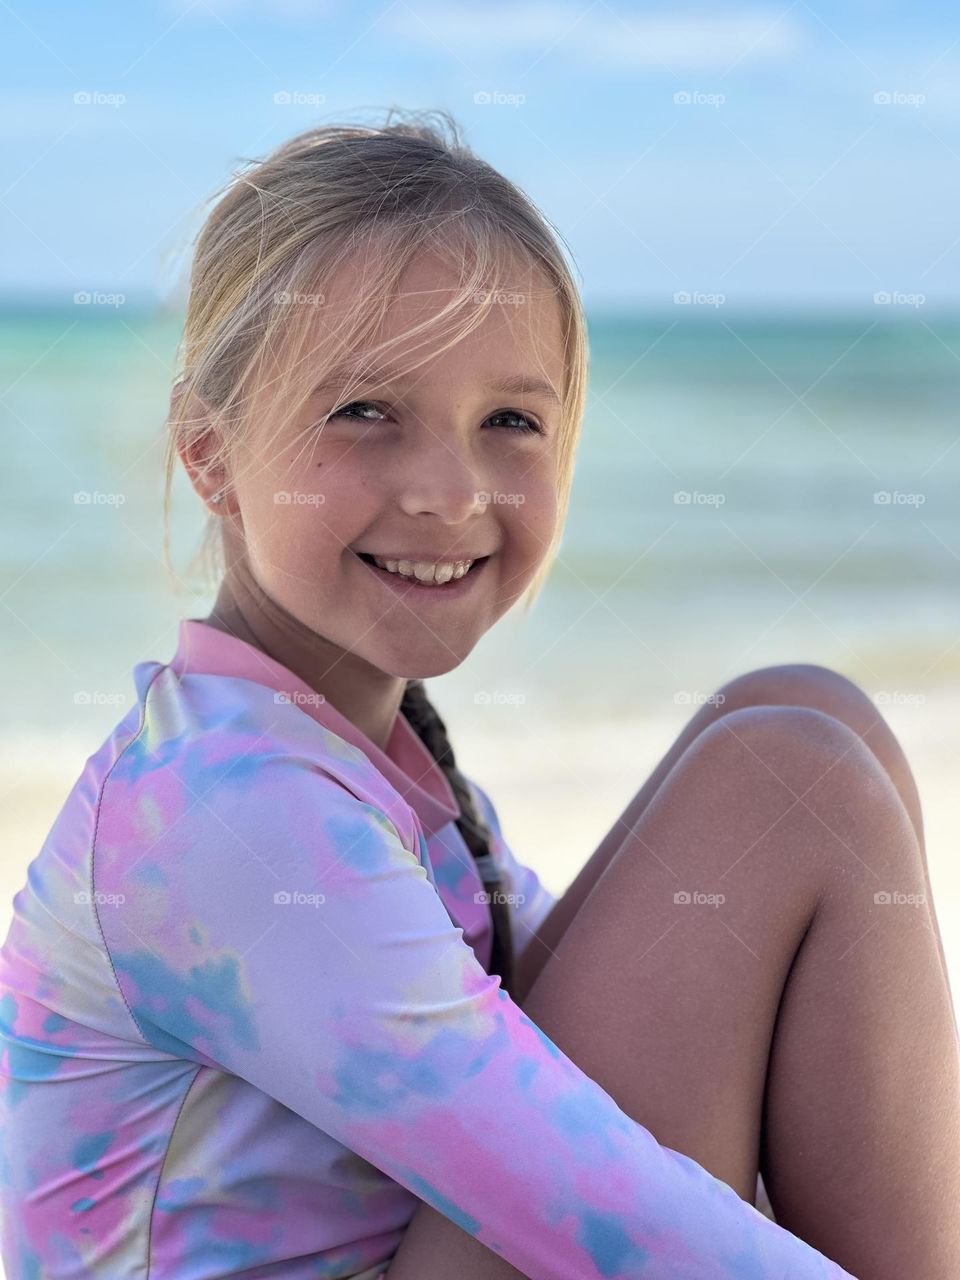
<point x="423" y="665"/>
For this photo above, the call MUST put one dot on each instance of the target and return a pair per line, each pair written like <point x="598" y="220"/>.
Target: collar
<point x="406" y="764"/>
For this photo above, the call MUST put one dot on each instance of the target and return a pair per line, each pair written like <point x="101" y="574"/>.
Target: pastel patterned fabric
<point x="246" y="1023"/>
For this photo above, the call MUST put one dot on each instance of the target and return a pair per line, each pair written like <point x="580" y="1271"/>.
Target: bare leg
<point x="790" y="684"/>
<point x="800" y="1026"/>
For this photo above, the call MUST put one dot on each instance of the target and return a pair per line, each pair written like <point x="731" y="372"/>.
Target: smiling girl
<point x="278" y="999"/>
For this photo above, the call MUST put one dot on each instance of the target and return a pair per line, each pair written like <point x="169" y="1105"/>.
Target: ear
<point x="198" y="447"/>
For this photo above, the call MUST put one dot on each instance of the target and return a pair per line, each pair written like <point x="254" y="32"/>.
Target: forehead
<point x="521" y="329"/>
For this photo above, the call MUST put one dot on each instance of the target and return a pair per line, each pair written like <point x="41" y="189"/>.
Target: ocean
<point x="725" y="514"/>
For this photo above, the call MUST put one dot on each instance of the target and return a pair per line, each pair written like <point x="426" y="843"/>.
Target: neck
<point x="369" y="698"/>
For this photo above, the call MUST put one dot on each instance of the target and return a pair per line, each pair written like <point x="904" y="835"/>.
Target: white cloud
<point x="695" y="42"/>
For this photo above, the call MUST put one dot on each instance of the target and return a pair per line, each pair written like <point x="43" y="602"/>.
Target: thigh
<point x="790" y="684"/>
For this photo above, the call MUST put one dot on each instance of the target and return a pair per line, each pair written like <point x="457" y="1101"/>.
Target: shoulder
<point x="224" y="742"/>
<point x="200" y="837"/>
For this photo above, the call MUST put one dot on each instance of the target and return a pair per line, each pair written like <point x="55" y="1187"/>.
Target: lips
<point x="398" y="582"/>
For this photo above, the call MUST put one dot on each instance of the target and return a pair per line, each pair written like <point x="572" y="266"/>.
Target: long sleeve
<point x="282" y="931"/>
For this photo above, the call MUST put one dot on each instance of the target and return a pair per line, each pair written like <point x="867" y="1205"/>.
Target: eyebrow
<point x="513" y="384"/>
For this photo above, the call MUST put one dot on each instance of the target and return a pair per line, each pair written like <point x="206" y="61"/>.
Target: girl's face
<point x="438" y="467"/>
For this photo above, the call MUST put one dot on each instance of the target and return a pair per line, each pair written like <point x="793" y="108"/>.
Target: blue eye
<point x="344" y="411"/>
<point x="528" y="426"/>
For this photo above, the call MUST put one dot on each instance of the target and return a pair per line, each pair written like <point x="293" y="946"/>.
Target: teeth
<point x="431" y="574"/>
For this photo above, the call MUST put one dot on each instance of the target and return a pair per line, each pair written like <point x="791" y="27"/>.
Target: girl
<point x="279" y="1000"/>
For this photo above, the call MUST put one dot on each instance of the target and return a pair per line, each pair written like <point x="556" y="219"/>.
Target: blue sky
<point x="780" y="180"/>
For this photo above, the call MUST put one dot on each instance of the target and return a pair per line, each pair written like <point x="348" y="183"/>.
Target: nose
<point x="440" y="478"/>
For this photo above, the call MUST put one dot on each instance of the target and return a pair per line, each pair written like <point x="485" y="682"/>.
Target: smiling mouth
<point x="415" y="583"/>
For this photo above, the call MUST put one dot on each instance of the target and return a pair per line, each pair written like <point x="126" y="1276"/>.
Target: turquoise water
<point x="781" y="554"/>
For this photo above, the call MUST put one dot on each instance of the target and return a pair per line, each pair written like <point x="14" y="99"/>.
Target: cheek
<point x="535" y="515"/>
<point x="289" y="536"/>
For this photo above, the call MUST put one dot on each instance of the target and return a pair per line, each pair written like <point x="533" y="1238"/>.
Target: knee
<point x="790" y="781"/>
<point x="802" y="747"/>
<point x="791" y="726"/>
<point x="803" y="684"/>
<point x="778" y="758"/>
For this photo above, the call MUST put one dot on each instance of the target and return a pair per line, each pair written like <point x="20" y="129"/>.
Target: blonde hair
<point x="379" y="197"/>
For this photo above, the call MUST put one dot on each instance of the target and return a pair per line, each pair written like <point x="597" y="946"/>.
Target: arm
<point x="357" y="1004"/>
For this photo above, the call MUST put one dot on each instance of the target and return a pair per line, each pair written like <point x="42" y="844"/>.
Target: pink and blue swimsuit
<point x="246" y="1024"/>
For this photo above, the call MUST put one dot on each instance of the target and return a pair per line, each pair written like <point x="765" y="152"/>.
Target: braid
<point x="423" y="717"/>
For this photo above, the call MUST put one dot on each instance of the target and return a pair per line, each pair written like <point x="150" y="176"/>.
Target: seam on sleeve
<point x="93" y="854"/>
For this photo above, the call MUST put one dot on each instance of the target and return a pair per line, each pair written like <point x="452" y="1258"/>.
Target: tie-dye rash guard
<point x="246" y="1023"/>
